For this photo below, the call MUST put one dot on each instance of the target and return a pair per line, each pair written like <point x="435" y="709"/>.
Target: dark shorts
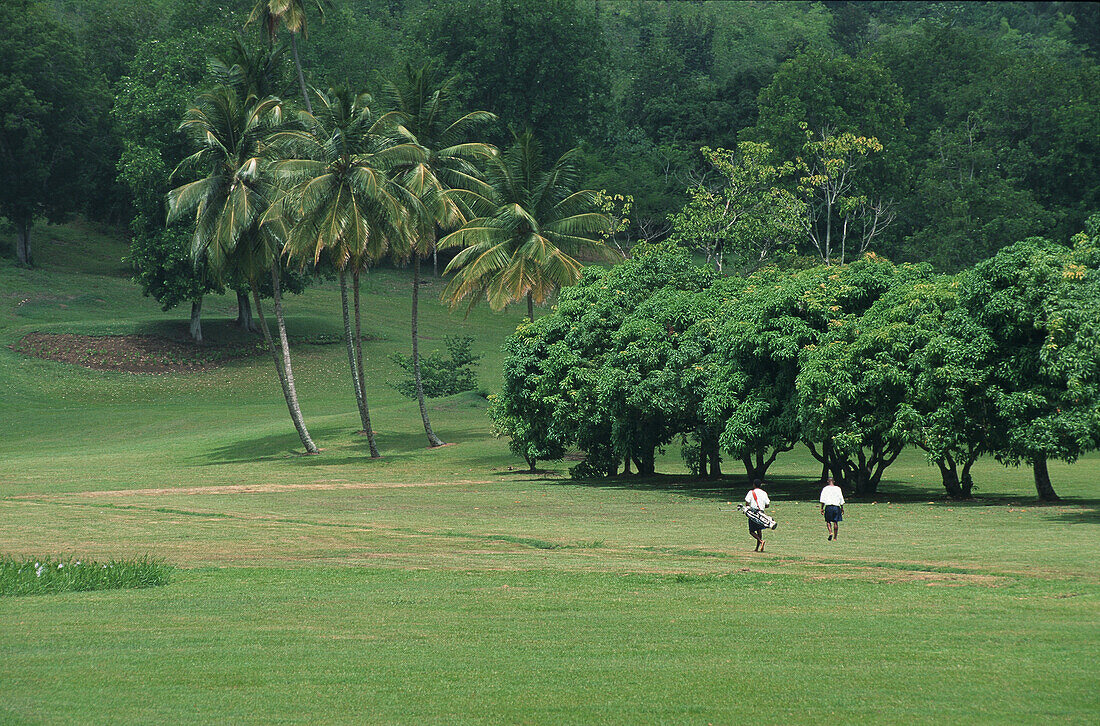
<point x="754" y="527"/>
<point x="833" y="513"/>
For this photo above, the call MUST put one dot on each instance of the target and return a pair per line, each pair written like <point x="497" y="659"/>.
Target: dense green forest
<point x="986" y="113"/>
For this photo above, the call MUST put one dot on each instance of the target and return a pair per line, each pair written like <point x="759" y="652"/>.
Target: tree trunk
<point x="433" y="440"/>
<point x="289" y="394"/>
<point x="830" y="466"/>
<point x="715" y="459"/>
<point x="292" y="393"/>
<point x="531" y="461"/>
<point x="967" y="482"/>
<point x="702" y="458"/>
<point x="435" y="261"/>
<point x="367" y="428"/>
<point x="1042" y="481"/>
<point x="23" y="242"/>
<point x="863" y="484"/>
<point x="530" y="308"/>
<point x="349" y="339"/>
<point x="949" y="473"/>
<point x="196" y="320"/>
<point x="244" y="314"/>
<point x="298" y="66"/>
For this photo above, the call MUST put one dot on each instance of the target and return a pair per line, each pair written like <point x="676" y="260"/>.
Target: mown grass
<point x="450" y="586"/>
<point x="48" y="575"/>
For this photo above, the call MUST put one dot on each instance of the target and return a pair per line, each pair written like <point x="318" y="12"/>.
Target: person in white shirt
<point x="832" y="507"/>
<point x="757" y="498"/>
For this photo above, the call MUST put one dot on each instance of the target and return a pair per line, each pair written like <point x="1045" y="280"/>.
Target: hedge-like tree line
<point x="854" y="361"/>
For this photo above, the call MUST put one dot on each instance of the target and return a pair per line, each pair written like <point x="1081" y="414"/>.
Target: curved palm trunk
<point x="530" y="308"/>
<point x="367" y="428"/>
<point x="285" y="379"/>
<point x="433" y="440"/>
<point x="298" y="67"/>
<point x="360" y="399"/>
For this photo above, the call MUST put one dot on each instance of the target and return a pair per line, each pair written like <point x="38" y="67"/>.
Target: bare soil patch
<point x="944" y="579"/>
<point x="132" y="353"/>
<point x="320" y="485"/>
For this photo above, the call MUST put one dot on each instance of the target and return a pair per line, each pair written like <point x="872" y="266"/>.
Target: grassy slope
<point x="472" y="593"/>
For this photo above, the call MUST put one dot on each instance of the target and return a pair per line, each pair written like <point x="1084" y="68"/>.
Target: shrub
<point x="441" y="375"/>
<point x="44" y="575"/>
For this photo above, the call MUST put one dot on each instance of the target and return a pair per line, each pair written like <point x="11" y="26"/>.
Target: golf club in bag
<point x="758" y="517"/>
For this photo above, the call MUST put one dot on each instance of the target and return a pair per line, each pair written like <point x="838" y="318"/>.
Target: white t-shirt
<point x="832" y="494"/>
<point x="759" y="501"/>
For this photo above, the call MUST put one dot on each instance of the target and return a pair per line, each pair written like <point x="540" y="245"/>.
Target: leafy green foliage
<point x="844" y="212"/>
<point x="1003" y="137"/>
<point x="48" y="104"/>
<point x="835" y="92"/>
<point x="1040" y="304"/>
<point x="442" y="374"/>
<point x="161" y="80"/>
<point x="535" y="63"/>
<point x="597" y="372"/>
<point x="747" y="216"/>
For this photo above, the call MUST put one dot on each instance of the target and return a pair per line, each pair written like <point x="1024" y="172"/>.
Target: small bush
<point x="44" y="575"/>
<point x="441" y="375"/>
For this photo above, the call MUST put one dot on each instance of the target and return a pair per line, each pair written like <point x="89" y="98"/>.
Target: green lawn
<point x="450" y="586"/>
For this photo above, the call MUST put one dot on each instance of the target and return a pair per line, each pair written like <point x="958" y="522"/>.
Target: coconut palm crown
<point x="234" y="191"/>
<point x="336" y="170"/>
<point x="422" y="113"/>
<point x="531" y="227"/>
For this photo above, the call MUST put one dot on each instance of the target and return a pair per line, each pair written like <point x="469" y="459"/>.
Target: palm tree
<point x="290" y="14"/>
<point x="422" y="110"/>
<point x="531" y="228"/>
<point x="253" y="71"/>
<point x="340" y="201"/>
<point x="228" y="202"/>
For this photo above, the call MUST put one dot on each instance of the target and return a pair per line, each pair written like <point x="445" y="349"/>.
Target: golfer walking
<point x="757" y="499"/>
<point x="832" y="507"/>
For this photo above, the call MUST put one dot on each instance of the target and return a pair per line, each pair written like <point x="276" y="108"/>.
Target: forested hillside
<point x="986" y="113"/>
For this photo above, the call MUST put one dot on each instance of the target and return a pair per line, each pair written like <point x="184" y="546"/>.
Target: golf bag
<point x="758" y="517"/>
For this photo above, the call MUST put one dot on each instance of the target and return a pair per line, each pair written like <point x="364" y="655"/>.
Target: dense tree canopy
<point x="49" y="104"/>
<point x="987" y="112"/>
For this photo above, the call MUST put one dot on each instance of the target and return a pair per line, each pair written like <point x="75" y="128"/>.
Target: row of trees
<point x="854" y="361"/>
<point x="338" y="186"/>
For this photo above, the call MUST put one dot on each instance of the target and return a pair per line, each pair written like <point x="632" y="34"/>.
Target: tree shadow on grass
<point x="793" y="488"/>
<point x="276" y="447"/>
<point x="339" y="446"/>
<point x="1086" y="511"/>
